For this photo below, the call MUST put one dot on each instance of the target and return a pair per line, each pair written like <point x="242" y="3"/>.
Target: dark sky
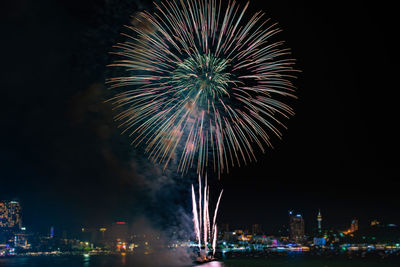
<point x="62" y="156"/>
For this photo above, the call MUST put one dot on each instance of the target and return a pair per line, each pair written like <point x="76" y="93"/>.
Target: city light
<point x="118" y="238"/>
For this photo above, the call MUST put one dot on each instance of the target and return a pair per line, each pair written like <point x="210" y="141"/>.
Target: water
<point x="131" y="261"/>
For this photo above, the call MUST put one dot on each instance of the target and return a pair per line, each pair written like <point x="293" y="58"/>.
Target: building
<point x="88" y="235"/>
<point x="256" y="229"/>
<point x="354" y="225"/>
<point x="10" y="214"/>
<point x="230" y="236"/>
<point x="102" y="231"/>
<point x="319" y="241"/>
<point x="52" y="232"/>
<point x="375" y="223"/>
<point x="21" y="240"/>
<point x="119" y="231"/>
<point x="296" y="227"/>
<point x="319" y="219"/>
<point x="353" y="228"/>
<point x="239" y="231"/>
<point x="225" y="227"/>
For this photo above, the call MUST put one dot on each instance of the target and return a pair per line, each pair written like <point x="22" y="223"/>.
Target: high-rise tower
<point x="10" y="214"/>
<point x="296" y="227"/>
<point x="319" y="219"/>
<point x="354" y="225"/>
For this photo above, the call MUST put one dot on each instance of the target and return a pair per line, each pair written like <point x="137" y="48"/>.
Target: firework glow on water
<point x="202" y="82"/>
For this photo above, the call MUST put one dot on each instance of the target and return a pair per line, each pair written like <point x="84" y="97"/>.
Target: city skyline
<point x="13" y="233"/>
<point x="11" y="218"/>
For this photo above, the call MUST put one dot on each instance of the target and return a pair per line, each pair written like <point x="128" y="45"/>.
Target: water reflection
<point x="123" y="259"/>
<point x="86" y="260"/>
<point x="212" y="264"/>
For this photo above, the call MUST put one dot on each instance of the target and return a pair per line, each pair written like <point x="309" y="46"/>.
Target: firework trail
<point x="215" y="233"/>
<point x="204" y="84"/>
<point x="209" y="231"/>
<point x="196" y="218"/>
<point x="205" y="218"/>
<point x="200" y="203"/>
<point x="216" y="208"/>
<point x="214" y="243"/>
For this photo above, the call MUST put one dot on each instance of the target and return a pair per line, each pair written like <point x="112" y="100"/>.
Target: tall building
<point x="256" y="229"/>
<point x="296" y="227"/>
<point x="10" y="214"/>
<point x="225" y="227"/>
<point x="354" y="225"/>
<point x="52" y="232"/>
<point x="319" y="219"/>
<point x="119" y="231"/>
<point x="88" y="234"/>
<point x="102" y="231"/>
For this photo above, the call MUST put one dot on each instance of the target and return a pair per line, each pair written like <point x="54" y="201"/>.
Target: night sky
<point x="63" y="157"/>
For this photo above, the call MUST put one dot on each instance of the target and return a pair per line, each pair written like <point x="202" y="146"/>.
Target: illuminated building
<point x="20" y="240"/>
<point x="102" y="230"/>
<point x="319" y="241"/>
<point x="353" y="228"/>
<point x="238" y="232"/>
<point x="121" y="246"/>
<point x="319" y="219"/>
<point x="375" y="223"/>
<point x="10" y="214"/>
<point x="256" y="229"/>
<point x="119" y="231"/>
<point x="244" y="237"/>
<point x="354" y="225"/>
<point x="263" y="239"/>
<point x="296" y="227"/>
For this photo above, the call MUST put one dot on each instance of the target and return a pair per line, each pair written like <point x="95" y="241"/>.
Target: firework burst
<point x="204" y="84"/>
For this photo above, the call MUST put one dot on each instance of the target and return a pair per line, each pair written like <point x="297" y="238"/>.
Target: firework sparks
<point x="209" y="231"/>
<point x="196" y="218"/>
<point x="204" y="84"/>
